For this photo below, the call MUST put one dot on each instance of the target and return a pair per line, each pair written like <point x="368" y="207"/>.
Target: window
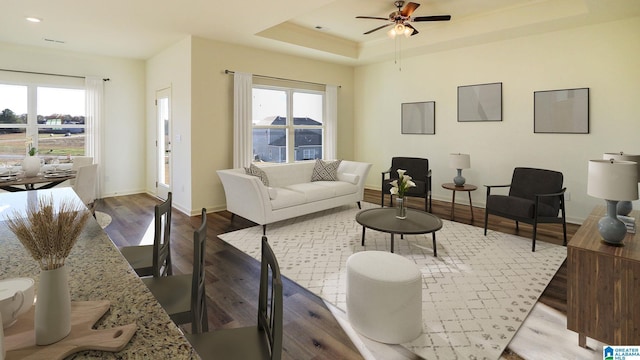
<point x="288" y="124"/>
<point x="52" y="117"/>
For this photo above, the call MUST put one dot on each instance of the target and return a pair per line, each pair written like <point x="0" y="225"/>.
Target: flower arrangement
<point x="402" y="184"/>
<point x="31" y="150"/>
<point x="48" y="233"/>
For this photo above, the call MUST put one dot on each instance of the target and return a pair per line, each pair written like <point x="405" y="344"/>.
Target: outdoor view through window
<point x="287" y="125"/>
<point x="51" y="119"/>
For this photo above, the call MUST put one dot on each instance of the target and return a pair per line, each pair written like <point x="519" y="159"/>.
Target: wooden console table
<point x="603" y="289"/>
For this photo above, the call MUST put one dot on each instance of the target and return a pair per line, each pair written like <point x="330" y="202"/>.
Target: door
<point x="163" y="143"/>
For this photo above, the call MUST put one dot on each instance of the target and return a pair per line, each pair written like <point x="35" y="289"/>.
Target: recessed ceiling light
<point x="34" y="19"/>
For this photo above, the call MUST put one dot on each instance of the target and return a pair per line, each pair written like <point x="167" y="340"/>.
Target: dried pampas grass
<point x="49" y="233"/>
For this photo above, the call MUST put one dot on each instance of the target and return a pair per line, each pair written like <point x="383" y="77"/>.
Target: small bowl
<point x="16" y="298"/>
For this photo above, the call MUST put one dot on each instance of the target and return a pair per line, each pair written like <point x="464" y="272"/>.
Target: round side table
<point x="466" y="187"/>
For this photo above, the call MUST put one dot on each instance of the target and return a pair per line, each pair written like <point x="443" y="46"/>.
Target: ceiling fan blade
<point x="409" y="9"/>
<point x="432" y="18"/>
<point x="371" y="17"/>
<point x="415" y="31"/>
<point x="378" y="28"/>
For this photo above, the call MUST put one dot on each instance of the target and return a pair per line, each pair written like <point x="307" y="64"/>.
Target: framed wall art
<point x="481" y="102"/>
<point x="419" y="118"/>
<point x="561" y="111"/>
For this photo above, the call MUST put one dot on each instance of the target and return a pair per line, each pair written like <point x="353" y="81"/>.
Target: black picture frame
<point x="480" y="102"/>
<point x="564" y="111"/>
<point x="418" y="118"/>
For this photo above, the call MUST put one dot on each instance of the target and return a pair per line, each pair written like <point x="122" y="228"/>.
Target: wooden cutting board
<point x="20" y="338"/>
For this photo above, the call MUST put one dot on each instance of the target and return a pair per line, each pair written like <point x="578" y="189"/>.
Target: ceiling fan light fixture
<point x="392" y="33"/>
<point x="407" y="31"/>
<point x="399" y="28"/>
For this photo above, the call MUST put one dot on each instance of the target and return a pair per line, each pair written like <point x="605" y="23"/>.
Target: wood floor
<point x="310" y="331"/>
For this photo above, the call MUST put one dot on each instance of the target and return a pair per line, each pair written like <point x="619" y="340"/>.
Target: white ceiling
<point x="142" y="28"/>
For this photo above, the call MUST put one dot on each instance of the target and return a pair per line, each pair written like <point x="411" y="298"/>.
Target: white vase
<point x="53" y="307"/>
<point x="31" y="166"/>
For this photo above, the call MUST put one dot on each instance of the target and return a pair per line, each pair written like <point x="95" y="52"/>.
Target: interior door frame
<point x="162" y="188"/>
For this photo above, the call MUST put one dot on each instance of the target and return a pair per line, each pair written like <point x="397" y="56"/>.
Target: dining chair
<point x="535" y="196"/>
<point x="85" y="185"/>
<point x="183" y="297"/>
<point x="154" y="260"/>
<point x="263" y="341"/>
<point x="77" y="162"/>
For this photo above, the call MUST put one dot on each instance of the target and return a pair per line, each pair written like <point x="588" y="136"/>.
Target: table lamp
<point x="459" y="162"/>
<point x="624" y="207"/>
<point x="613" y="181"/>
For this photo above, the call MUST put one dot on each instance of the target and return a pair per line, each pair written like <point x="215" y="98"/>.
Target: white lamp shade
<point x="624" y="157"/>
<point x="613" y="180"/>
<point x="459" y="161"/>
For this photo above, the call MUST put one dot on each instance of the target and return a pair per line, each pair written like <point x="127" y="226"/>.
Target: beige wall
<point x="122" y="169"/>
<point x="602" y="57"/>
<point x="171" y="69"/>
<point x="212" y="107"/>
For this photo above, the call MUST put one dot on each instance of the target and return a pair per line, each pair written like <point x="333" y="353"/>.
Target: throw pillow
<point x="351" y="178"/>
<point x="325" y="170"/>
<point x="256" y="171"/>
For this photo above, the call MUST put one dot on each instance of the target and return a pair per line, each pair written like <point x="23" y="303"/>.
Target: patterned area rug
<point x="476" y="293"/>
<point x="103" y="219"/>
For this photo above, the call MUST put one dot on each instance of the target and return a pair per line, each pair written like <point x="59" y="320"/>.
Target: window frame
<point x="31" y="128"/>
<point x="289" y="125"/>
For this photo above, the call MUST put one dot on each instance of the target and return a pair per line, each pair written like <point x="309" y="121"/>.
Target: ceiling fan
<point x="401" y="19"/>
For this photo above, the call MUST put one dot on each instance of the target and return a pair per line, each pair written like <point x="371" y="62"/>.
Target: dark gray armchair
<point x="535" y="196"/>
<point x="418" y="169"/>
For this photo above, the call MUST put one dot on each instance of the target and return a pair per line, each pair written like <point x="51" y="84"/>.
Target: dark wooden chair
<point x="145" y="258"/>
<point x="535" y="196"/>
<point x="263" y="341"/>
<point x="418" y="169"/>
<point x="183" y="297"/>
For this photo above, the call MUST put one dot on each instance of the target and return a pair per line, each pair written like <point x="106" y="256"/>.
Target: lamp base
<point x="612" y="230"/>
<point x="459" y="180"/>
<point x="624" y="207"/>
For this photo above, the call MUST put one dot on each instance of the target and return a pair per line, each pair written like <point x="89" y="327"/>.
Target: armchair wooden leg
<point x="533" y="241"/>
<point x="486" y="219"/>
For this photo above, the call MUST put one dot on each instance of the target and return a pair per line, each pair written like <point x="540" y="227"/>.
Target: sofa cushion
<point x="519" y="207"/>
<point x="339" y="188"/>
<point x="325" y="170"/>
<point x="287" y="198"/>
<point x="256" y="171"/>
<point x="313" y="191"/>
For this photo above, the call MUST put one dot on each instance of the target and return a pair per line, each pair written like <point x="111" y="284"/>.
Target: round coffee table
<point x="384" y="219"/>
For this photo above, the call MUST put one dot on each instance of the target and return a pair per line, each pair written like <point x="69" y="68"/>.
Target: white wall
<point x="122" y="168"/>
<point x="602" y="57"/>
<point x="171" y="68"/>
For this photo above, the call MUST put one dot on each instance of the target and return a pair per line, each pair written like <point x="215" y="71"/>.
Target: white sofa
<point x="291" y="192"/>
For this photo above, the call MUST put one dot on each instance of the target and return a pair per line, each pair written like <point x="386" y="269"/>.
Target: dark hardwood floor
<point x="310" y="331"/>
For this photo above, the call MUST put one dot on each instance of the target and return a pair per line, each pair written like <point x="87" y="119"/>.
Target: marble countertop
<point x="97" y="271"/>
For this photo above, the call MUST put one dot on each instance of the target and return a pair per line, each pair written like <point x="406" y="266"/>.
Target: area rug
<point x="103" y="219"/>
<point x="476" y="293"/>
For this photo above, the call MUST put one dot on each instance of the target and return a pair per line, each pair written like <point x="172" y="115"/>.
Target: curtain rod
<point x="41" y="73"/>
<point x="279" y="78"/>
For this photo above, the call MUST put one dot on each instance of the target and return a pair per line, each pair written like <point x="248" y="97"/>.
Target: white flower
<point x="402" y="184"/>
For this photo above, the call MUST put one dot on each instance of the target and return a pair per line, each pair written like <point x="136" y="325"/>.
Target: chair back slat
<point x="200" y="322"/>
<point x="161" y="240"/>
<point x="270" y="300"/>
<point x="527" y="182"/>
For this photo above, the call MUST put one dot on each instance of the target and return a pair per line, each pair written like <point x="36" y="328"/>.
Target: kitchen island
<point x="97" y="271"/>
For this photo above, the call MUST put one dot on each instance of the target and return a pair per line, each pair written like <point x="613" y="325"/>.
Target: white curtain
<point x="331" y="122"/>
<point x="242" y="126"/>
<point x="94" y="94"/>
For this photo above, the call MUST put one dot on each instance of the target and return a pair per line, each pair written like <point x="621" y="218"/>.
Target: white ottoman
<point x="384" y="296"/>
